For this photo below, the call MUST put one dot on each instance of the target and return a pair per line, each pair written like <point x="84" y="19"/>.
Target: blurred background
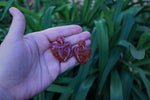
<point x="119" y="67"/>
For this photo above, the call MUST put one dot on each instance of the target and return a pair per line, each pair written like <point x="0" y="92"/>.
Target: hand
<point x="27" y="65"/>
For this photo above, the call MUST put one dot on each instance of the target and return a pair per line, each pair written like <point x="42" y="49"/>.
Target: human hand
<point x="27" y="65"/>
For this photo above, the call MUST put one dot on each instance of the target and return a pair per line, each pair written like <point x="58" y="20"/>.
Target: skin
<point x="27" y="65"/>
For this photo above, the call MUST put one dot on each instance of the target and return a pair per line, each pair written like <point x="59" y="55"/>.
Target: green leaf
<point x="115" y="86"/>
<point x="86" y="9"/>
<point x="49" y="95"/>
<point x="95" y="8"/>
<point x="141" y="62"/>
<point x="133" y="10"/>
<point x="36" y="5"/>
<point x="147" y="72"/>
<point x="9" y="3"/>
<point x="128" y="22"/>
<point x="93" y="42"/>
<point x="114" y="57"/>
<point x="107" y="91"/>
<point x="127" y="82"/>
<point x="124" y="43"/>
<point x="59" y="89"/>
<point x="47" y="18"/>
<point x="143" y="28"/>
<point x="32" y="24"/>
<point x="62" y="7"/>
<point x="135" y="97"/>
<point x="84" y="88"/>
<point x="137" y="54"/>
<point x="145" y="38"/>
<point x="41" y="96"/>
<point x="75" y="13"/>
<point x="145" y="80"/>
<point x="63" y="80"/>
<point x="126" y="3"/>
<point x="108" y="17"/>
<point x="27" y="11"/>
<point x="139" y="93"/>
<point x="26" y="4"/>
<point x="118" y="8"/>
<point x="103" y="44"/>
<point x="35" y="98"/>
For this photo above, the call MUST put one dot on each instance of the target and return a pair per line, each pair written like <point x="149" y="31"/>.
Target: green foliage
<point x="119" y="67"/>
<point x="103" y="44"/>
<point x="115" y="87"/>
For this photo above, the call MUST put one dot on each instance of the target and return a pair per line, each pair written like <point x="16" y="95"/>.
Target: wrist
<point x="5" y="94"/>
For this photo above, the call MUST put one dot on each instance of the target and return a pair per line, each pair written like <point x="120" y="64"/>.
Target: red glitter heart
<point x="61" y="50"/>
<point x="82" y="53"/>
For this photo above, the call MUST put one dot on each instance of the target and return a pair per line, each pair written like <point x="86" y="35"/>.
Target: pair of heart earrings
<point x="64" y="50"/>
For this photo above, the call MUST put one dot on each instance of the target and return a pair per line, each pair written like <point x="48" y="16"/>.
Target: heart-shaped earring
<point x="61" y="49"/>
<point x="82" y="52"/>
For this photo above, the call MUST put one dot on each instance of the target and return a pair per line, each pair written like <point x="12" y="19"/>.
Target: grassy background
<point x="119" y="67"/>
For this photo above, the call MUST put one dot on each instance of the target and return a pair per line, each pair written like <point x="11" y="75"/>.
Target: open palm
<point x="27" y="64"/>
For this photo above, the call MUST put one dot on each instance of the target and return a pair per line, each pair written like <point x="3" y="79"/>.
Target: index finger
<point x="53" y="33"/>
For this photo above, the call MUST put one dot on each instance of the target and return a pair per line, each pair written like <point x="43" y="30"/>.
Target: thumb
<point x="18" y="24"/>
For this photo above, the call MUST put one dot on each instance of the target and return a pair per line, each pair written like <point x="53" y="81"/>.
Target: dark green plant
<point x="119" y="67"/>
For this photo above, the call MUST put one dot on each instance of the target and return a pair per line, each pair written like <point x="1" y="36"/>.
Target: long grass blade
<point x="142" y="62"/>
<point x="114" y="57"/>
<point x="26" y="4"/>
<point x="103" y="44"/>
<point x="145" y="81"/>
<point x="36" y="5"/>
<point x="84" y="88"/>
<point x="27" y="11"/>
<point x="59" y="89"/>
<point x="127" y="83"/>
<point x="115" y="86"/>
<point x="144" y="39"/>
<point x="137" y="54"/>
<point x="75" y="13"/>
<point x="108" y="17"/>
<point x="47" y="18"/>
<point x="86" y="9"/>
<point x="139" y="93"/>
<point x="97" y="4"/>
<point x="41" y="96"/>
<point x="118" y="9"/>
<point x="32" y="24"/>
<point x="63" y="80"/>
<point x="128" y="22"/>
<point x="9" y="3"/>
<point x="133" y="10"/>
